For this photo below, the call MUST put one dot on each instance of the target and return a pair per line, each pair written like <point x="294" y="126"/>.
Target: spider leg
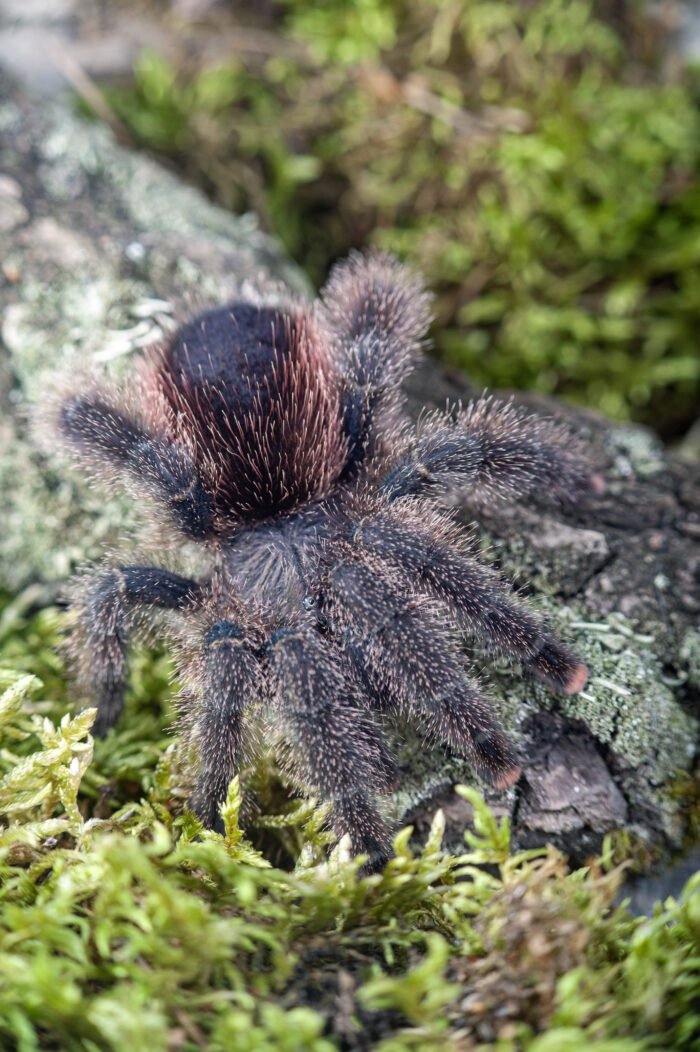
<point x="494" y="449"/>
<point x="94" y="428"/>
<point x="399" y="641"/>
<point x="110" y="605"/>
<point x="377" y="314"/>
<point x="229" y="683"/>
<point x="477" y="596"/>
<point x="334" y="746"/>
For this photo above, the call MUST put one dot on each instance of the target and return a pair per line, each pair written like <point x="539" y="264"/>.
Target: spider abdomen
<point x="254" y="395"/>
<point x="227" y="354"/>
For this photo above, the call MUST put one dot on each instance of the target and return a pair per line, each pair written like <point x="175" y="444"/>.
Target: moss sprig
<point x="138" y="928"/>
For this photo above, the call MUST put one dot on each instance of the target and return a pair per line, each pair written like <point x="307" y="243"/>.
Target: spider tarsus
<point x="93" y="427"/>
<point x="465" y="723"/>
<point x="110" y="702"/>
<point x="207" y="810"/>
<point x="369" y="834"/>
<point x="335" y="748"/>
<point x="577" y="681"/>
<point x="507" y="778"/>
<point x="597" y="483"/>
<point x="377" y="312"/>
<point x="558" y="667"/>
<point x="492" y="449"/>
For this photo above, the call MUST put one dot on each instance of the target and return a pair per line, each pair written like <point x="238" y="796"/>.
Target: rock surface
<point x="98" y="249"/>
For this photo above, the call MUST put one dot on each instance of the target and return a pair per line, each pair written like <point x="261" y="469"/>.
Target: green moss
<point x="123" y="924"/>
<point x="530" y="158"/>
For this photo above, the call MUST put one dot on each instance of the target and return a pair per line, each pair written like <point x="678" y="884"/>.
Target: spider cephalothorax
<point x="336" y="585"/>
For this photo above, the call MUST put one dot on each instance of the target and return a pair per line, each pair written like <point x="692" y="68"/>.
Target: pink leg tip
<point x="508" y="778"/>
<point x="597" y="484"/>
<point x="577" y="681"/>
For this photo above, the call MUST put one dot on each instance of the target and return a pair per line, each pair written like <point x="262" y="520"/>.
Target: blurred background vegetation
<point x="539" y="161"/>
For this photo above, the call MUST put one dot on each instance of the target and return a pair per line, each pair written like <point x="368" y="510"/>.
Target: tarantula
<point x="336" y="583"/>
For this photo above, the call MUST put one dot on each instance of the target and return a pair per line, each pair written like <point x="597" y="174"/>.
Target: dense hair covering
<point x="334" y="584"/>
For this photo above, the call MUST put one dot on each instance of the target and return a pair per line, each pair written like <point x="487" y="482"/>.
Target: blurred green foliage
<point x="125" y="925"/>
<point x="532" y="159"/>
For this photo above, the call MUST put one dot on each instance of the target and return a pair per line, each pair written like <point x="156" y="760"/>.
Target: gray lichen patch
<point x="550" y="555"/>
<point x="626" y="703"/>
<point x="51" y="524"/>
<point x="139" y="192"/>
<point x="689" y="655"/>
<point x="62" y="327"/>
<point x="12" y="211"/>
<point x="634" y="451"/>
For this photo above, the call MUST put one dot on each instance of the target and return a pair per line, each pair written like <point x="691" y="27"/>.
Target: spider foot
<point x="369" y="835"/>
<point x="558" y="667"/>
<point x="467" y="726"/>
<point x="506" y="778"/>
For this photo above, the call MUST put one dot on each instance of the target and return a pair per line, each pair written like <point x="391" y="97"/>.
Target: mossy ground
<point x="539" y="162"/>
<point x="125" y="925"/>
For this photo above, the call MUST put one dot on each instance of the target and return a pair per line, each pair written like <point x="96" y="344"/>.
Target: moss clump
<point x="532" y="159"/>
<point x="123" y="924"/>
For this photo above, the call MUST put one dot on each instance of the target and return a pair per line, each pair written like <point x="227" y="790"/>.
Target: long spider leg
<point x="478" y="597"/>
<point x="111" y="602"/>
<point x="230" y="680"/>
<point x="494" y="449"/>
<point x="333" y="745"/>
<point x="377" y="314"/>
<point x="93" y="428"/>
<point x="409" y="655"/>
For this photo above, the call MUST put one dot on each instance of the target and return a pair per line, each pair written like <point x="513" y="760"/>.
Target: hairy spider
<point x="336" y="584"/>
